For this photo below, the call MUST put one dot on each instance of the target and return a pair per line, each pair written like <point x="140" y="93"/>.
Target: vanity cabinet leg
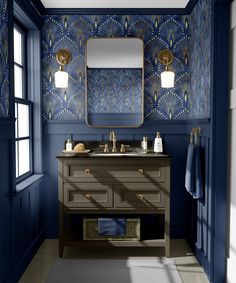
<point x="61" y="231"/>
<point x="167" y="249"/>
<point x="61" y="249"/>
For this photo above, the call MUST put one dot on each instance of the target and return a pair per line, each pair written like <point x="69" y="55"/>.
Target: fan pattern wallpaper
<point x="4" y="69"/>
<point x="157" y="32"/>
<point x="106" y="89"/>
<point x="187" y="36"/>
<point x="200" y="67"/>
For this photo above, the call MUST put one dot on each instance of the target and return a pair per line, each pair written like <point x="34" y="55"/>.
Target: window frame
<point x="24" y="101"/>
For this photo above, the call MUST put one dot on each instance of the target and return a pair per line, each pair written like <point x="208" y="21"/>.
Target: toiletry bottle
<point x="144" y="143"/>
<point x="69" y="146"/>
<point x="158" y="144"/>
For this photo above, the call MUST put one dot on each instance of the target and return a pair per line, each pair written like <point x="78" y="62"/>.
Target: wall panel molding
<point x="232" y="104"/>
<point x="7" y="130"/>
<point x="80" y="128"/>
<point x="232" y="16"/>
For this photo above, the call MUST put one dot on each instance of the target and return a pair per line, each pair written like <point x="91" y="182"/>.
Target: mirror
<point x="114" y="82"/>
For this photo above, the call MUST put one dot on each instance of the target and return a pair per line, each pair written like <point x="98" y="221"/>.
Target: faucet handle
<point x="123" y="147"/>
<point x="105" y="146"/>
<point x="106" y="149"/>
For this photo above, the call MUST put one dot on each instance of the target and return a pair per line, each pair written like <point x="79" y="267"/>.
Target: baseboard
<point x="24" y="262"/>
<point x="204" y="262"/>
<point x="177" y="232"/>
<point x="51" y="233"/>
<point x="231" y="271"/>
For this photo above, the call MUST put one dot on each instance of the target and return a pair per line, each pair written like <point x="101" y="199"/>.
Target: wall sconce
<point x="63" y="57"/>
<point x="166" y="57"/>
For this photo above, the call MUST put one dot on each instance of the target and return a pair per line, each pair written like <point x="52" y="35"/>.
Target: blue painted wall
<point x="4" y="67"/>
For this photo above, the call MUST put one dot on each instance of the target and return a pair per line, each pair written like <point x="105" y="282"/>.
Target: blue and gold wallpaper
<point x="4" y="68"/>
<point x="157" y="32"/>
<point x="106" y="89"/>
<point x="200" y="60"/>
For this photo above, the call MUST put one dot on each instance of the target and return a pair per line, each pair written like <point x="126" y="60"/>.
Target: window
<point x="23" y="107"/>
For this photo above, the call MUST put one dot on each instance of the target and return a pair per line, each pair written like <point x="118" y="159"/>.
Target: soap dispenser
<point x="158" y="148"/>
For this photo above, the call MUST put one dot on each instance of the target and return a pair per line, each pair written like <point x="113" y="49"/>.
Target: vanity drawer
<point x="88" y="195"/>
<point x="140" y="195"/>
<point x="117" y="169"/>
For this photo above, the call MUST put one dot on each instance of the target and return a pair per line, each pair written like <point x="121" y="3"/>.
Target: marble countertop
<point x="134" y="153"/>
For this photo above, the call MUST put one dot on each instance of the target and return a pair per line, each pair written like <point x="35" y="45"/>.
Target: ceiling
<point x="115" y="3"/>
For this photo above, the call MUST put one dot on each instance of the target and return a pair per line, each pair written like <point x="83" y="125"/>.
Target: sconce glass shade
<point x="63" y="57"/>
<point x="61" y="79"/>
<point x="167" y="79"/>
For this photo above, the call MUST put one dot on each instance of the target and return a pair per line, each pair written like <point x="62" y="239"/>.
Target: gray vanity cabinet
<point x="100" y="185"/>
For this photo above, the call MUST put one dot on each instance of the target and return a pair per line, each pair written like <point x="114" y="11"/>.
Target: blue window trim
<point x="28" y="182"/>
<point x="33" y="27"/>
<point x="24" y="100"/>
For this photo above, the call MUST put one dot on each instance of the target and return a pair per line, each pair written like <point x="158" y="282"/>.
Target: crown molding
<point x="223" y="1"/>
<point x="190" y="6"/>
<point x="120" y="11"/>
<point x="114" y="11"/>
<point x="30" y="9"/>
<point x="38" y="5"/>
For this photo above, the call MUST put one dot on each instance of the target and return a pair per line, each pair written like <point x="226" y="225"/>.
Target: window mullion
<point x="19" y="65"/>
<point x="23" y="138"/>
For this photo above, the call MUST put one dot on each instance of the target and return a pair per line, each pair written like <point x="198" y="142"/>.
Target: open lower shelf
<point x="113" y="243"/>
<point x="147" y="229"/>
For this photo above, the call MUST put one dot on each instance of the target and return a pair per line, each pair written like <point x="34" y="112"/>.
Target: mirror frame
<point x="86" y="87"/>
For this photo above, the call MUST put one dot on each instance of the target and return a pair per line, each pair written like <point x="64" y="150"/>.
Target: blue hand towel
<point x="111" y="226"/>
<point x="198" y="193"/>
<point x="190" y="168"/>
<point x="193" y="176"/>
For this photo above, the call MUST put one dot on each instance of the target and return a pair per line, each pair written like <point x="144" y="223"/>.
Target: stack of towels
<point x="111" y="226"/>
<point x="193" y="176"/>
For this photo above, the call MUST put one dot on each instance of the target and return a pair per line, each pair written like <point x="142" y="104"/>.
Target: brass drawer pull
<point x="87" y="171"/>
<point x="140" y="171"/>
<point x="140" y="196"/>
<point x="88" y="196"/>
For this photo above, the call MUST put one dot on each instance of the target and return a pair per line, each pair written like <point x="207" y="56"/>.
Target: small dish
<point x="75" y="151"/>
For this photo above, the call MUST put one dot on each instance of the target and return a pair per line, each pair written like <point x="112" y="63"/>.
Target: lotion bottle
<point x="144" y="143"/>
<point x="158" y="148"/>
<point x="69" y="145"/>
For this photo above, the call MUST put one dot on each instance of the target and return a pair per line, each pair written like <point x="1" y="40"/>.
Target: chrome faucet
<point x="113" y="140"/>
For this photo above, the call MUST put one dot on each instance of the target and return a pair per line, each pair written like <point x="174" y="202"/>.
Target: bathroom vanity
<point x="113" y="184"/>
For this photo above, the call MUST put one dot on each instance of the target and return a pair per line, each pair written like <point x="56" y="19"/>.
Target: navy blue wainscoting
<point x="21" y="214"/>
<point x="174" y="137"/>
<point x="5" y="212"/>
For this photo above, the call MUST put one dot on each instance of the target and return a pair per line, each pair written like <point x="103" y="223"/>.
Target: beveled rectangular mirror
<point x="114" y="82"/>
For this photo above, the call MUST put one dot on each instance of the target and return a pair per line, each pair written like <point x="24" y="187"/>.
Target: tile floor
<point x="188" y="266"/>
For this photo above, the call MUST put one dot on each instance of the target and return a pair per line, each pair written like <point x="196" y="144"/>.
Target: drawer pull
<point x="140" y="171"/>
<point x="87" y="171"/>
<point x="88" y="196"/>
<point x="140" y="196"/>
